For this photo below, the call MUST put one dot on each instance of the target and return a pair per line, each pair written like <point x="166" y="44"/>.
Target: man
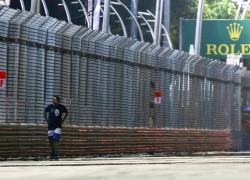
<point x="53" y="115"/>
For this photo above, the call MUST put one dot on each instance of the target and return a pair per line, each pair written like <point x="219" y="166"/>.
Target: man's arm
<point x="45" y="116"/>
<point x="65" y="116"/>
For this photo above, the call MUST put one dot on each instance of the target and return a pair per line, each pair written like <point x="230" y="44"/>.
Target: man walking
<point x="53" y="115"/>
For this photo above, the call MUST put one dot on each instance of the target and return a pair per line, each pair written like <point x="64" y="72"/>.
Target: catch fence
<point x="110" y="81"/>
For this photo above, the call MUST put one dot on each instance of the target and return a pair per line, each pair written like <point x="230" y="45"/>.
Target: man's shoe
<point x="52" y="155"/>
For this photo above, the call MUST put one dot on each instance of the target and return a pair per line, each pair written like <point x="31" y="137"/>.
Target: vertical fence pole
<point x="198" y="28"/>
<point x="105" y="23"/>
<point x="158" y="20"/>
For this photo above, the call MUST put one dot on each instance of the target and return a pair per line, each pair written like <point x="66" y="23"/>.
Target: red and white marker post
<point x="3" y="79"/>
<point x="158" y="97"/>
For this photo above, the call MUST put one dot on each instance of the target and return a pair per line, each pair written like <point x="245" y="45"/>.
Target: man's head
<point x="56" y="100"/>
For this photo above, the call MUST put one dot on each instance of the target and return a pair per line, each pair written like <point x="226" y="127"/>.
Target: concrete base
<point x="140" y="168"/>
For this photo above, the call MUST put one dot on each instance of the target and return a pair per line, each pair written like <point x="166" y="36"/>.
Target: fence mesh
<point x="110" y="81"/>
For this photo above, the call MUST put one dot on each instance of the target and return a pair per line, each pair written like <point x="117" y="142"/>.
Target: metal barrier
<point x="245" y="115"/>
<point x="110" y="81"/>
<point x="28" y="140"/>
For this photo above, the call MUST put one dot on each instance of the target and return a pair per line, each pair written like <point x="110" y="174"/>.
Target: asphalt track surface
<point x="233" y="167"/>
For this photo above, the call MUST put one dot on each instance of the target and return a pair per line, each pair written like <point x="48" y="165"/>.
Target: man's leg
<point x="56" y="139"/>
<point x="52" y="154"/>
<point x="55" y="147"/>
<point x="51" y="143"/>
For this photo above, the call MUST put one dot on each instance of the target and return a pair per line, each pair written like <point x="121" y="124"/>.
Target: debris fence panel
<point x="110" y="81"/>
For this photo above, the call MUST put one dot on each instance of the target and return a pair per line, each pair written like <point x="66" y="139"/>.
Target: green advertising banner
<point x="219" y="37"/>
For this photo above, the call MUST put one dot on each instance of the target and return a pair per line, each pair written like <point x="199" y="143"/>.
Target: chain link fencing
<point x="110" y="81"/>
